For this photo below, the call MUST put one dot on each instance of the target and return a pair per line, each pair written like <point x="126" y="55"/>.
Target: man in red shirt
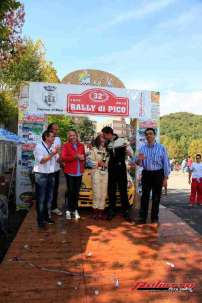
<point x="73" y="156"/>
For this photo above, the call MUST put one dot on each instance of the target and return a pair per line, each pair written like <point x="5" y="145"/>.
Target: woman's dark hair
<point x="107" y="130"/>
<point x="45" y="134"/>
<point x="97" y="141"/>
<point x="150" y="129"/>
<point x="49" y="128"/>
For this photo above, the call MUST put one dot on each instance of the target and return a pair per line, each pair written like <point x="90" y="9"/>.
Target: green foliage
<point x="83" y="126"/>
<point x="65" y="124"/>
<point x="8" y="5"/>
<point x="11" y="23"/>
<point x="179" y="131"/>
<point x="85" y="129"/>
<point x="8" y="110"/>
<point x="181" y="124"/>
<point x="195" y="148"/>
<point x="29" y="65"/>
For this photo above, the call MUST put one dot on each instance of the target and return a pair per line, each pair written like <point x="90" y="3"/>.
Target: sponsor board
<point x="97" y="101"/>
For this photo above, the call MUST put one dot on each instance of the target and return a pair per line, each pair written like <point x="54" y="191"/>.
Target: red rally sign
<point x="97" y="101"/>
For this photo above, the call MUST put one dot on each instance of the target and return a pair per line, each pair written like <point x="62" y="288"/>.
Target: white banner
<point x="63" y="99"/>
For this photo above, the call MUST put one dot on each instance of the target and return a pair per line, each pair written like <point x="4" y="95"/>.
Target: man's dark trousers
<point x="151" y="180"/>
<point x="117" y="176"/>
<point x="55" y="191"/>
<point x="73" y="189"/>
<point x="44" y="185"/>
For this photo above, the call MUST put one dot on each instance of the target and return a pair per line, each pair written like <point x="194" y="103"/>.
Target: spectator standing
<point x="189" y="162"/>
<point x="73" y="156"/>
<point x="172" y="164"/>
<point x="184" y="165"/>
<point x="53" y="127"/>
<point x="45" y="157"/>
<point x="195" y="179"/>
<point x="156" y="169"/>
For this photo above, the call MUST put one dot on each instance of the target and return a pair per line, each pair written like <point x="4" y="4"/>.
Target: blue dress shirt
<point x="156" y="158"/>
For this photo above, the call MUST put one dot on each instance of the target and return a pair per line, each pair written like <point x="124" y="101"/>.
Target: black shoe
<point x="110" y="215"/>
<point x="140" y="221"/>
<point x="155" y="221"/>
<point x="50" y="221"/>
<point x="127" y="216"/>
<point x="42" y="226"/>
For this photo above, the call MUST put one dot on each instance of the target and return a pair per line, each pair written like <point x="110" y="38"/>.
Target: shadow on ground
<point x="177" y="201"/>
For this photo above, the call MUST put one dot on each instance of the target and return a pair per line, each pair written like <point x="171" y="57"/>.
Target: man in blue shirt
<point x="153" y="158"/>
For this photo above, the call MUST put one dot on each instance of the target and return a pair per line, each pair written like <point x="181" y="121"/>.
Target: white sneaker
<point x="56" y="211"/>
<point x="68" y="215"/>
<point x="76" y="215"/>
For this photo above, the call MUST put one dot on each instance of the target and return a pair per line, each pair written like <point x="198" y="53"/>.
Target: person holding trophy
<point x="99" y="160"/>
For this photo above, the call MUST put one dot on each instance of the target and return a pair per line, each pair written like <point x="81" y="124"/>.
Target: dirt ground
<point x="102" y="262"/>
<point x="176" y="201"/>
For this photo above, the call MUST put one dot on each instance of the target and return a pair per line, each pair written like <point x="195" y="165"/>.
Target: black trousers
<point x="73" y="189"/>
<point x="151" y="180"/>
<point x="54" y="204"/>
<point x="117" y="176"/>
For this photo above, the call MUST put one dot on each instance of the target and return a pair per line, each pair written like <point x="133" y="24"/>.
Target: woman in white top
<point x="99" y="158"/>
<point x="195" y="179"/>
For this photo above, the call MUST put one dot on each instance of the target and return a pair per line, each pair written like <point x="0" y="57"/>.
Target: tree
<point x="65" y="124"/>
<point x="178" y="131"/>
<point x="11" y="23"/>
<point x="86" y="129"/>
<point x="8" y="110"/>
<point x="195" y="147"/>
<point x="181" y="124"/>
<point x="29" y="65"/>
<point x="84" y="126"/>
<point x="171" y="146"/>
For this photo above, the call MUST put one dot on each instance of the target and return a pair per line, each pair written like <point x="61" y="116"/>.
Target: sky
<point x="148" y="44"/>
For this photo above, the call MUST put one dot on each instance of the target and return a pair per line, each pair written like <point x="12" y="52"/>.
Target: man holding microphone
<point x="153" y="158"/>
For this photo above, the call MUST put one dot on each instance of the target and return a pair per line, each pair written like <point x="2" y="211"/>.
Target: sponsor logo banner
<point x="97" y="101"/>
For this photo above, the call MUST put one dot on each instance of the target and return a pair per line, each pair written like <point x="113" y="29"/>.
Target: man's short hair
<point x="198" y="155"/>
<point x="49" y="128"/>
<point x="148" y="129"/>
<point x="45" y="134"/>
<point x="107" y="130"/>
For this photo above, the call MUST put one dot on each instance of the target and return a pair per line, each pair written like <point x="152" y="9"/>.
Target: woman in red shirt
<point x="73" y="157"/>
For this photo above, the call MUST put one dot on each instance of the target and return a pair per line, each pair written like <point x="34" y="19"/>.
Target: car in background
<point x="86" y="194"/>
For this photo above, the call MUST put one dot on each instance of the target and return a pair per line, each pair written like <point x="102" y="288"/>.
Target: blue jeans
<point x="44" y="185"/>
